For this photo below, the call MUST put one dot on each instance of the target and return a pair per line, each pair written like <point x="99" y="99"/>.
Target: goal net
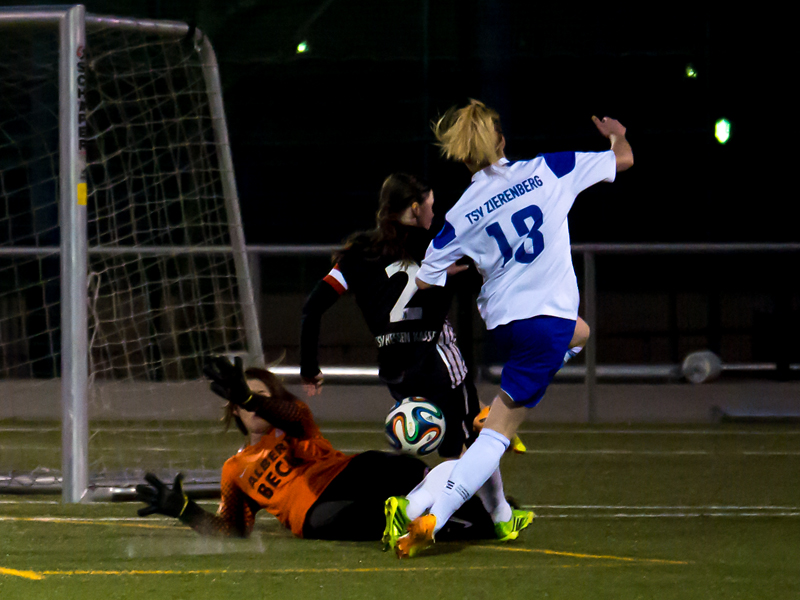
<point x="165" y="282"/>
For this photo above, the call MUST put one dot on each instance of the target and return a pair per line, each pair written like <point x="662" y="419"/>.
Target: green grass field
<point x="623" y="512"/>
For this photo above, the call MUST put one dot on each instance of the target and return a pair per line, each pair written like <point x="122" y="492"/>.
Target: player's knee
<point x="581" y="335"/>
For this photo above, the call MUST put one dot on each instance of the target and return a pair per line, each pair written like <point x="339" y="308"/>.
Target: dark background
<point x="313" y="135"/>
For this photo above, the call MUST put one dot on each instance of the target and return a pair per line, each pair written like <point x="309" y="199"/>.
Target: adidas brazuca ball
<point x="415" y="426"/>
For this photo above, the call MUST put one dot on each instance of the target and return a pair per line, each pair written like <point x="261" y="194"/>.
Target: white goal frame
<point x="72" y="23"/>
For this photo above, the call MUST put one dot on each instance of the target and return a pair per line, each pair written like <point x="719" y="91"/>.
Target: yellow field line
<point x="42" y="574"/>
<point x="23" y="574"/>
<point x="577" y="555"/>
<point x="298" y="571"/>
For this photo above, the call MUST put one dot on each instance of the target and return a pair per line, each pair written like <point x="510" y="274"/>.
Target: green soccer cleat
<point x="509" y="530"/>
<point x="396" y="521"/>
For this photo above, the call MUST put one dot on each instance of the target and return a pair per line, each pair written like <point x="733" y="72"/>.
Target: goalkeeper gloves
<point x="160" y="498"/>
<point x="228" y="381"/>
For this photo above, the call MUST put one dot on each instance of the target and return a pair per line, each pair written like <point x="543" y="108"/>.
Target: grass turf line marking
<point x="23" y="574"/>
<point x="579" y="555"/>
<point x="681" y="512"/>
<point x="776" y="433"/>
<point x="670" y="515"/>
<point x="615" y="563"/>
<point x="317" y="571"/>
<point x="656" y="507"/>
<point x="25" y="501"/>
<point x="77" y="521"/>
<point x="667" y="452"/>
<point x="378" y="430"/>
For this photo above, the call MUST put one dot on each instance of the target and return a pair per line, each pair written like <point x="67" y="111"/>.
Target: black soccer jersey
<point x="407" y="323"/>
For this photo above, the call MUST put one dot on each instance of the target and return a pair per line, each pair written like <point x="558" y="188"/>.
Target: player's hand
<point x="313" y="386"/>
<point x="160" y="498"/>
<point x="227" y="380"/>
<point x="609" y="127"/>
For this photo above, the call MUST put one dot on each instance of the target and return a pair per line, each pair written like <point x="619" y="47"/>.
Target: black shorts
<point x="351" y="507"/>
<point x="431" y="380"/>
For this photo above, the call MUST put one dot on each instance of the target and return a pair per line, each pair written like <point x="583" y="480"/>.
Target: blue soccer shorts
<point x="533" y="351"/>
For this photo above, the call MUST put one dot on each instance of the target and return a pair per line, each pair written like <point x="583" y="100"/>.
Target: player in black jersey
<point x="417" y="350"/>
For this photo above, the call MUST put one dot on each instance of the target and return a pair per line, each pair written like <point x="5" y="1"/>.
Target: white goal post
<point x="122" y="254"/>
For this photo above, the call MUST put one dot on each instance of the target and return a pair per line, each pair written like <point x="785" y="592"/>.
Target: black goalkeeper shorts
<point x="351" y="507"/>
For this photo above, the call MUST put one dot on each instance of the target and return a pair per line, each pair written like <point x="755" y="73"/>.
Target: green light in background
<point x="690" y="72"/>
<point x="302" y="47"/>
<point x="722" y="130"/>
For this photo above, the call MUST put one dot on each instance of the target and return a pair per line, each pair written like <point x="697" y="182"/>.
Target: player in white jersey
<point x="512" y="222"/>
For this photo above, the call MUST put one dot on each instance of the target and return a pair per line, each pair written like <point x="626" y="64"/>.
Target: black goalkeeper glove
<point x="228" y="381"/>
<point x="160" y="498"/>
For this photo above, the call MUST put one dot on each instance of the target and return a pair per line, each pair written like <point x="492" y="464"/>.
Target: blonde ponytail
<point x="471" y="135"/>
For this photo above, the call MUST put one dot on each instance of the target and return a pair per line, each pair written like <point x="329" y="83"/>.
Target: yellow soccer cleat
<point x="509" y="530"/>
<point x="516" y="446"/>
<point x="419" y="537"/>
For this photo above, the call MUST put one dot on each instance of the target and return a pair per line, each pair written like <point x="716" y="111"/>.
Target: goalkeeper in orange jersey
<point x="290" y="470"/>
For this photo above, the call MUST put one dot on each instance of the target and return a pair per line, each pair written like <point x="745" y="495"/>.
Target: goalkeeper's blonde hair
<point x="471" y="135"/>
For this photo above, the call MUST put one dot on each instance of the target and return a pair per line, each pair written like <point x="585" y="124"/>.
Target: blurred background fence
<point x="649" y="306"/>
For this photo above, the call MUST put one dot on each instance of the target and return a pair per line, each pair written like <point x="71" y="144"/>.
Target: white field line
<point x="668" y="452"/>
<point x="671" y="515"/>
<point x="378" y="430"/>
<point x="573" y="512"/>
<point x="22" y="500"/>
<point x="206" y="430"/>
<point x="655" y="507"/>
<point x="612" y="451"/>
<point x="550" y="451"/>
<point x="659" y="512"/>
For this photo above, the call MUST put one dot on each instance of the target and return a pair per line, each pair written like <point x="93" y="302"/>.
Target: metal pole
<point x="72" y="190"/>
<point x="590" y="296"/>
<point x="255" y="349"/>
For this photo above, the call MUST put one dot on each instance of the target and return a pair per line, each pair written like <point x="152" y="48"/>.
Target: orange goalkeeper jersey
<point x="281" y="474"/>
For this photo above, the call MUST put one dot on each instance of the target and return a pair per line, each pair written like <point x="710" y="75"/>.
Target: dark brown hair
<point x="388" y="238"/>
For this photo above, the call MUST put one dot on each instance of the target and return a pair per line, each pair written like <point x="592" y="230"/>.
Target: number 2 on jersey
<point x="520" y="222"/>
<point x="399" y="311"/>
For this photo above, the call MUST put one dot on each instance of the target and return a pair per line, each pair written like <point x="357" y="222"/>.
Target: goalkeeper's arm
<point x="289" y="414"/>
<point x="236" y="518"/>
<point x="282" y="409"/>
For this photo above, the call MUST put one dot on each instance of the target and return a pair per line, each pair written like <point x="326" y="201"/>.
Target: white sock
<point x="571" y="353"/>
<point x="470" y="473"/>
<point x="421" y="497"/>
<point x="493" y="498"/>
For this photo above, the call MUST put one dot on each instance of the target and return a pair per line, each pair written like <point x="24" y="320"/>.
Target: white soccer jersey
<point x="512" y="221"/>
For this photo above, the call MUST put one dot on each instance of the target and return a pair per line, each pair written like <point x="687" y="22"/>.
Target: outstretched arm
<point x="236" y="516"/>
<point x="615" y="132"/>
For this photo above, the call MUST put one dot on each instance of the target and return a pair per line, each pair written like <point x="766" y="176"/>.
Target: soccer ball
<point x="415" y="426"/>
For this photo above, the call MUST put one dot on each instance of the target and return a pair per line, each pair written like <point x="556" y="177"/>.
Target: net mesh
<point x="162" y="294"/>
